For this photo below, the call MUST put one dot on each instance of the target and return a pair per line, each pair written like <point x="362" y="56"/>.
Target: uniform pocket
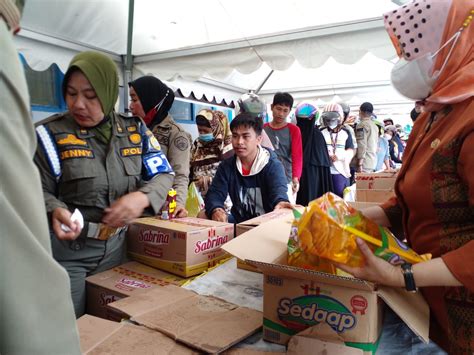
<point x="133" y="169"/>
<point x="81" y="183"/>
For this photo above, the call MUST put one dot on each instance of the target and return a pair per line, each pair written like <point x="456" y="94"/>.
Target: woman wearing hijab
<point x="106" y="166"/>
<point x="151" y="100"/>
<point x="210" y="148"/>
<point x="435" y="42"/>
<point x="316" y="176"/>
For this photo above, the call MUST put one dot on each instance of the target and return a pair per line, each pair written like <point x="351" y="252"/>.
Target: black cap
<point x="367" y="107"/>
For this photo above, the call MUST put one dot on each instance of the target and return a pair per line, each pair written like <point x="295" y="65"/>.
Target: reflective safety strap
<point x="50" y="149"/>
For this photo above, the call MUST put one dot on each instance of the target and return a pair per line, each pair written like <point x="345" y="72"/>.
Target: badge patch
<point x="127" y="152"/>
<point x="135" y="138"/>
<point x="71" y="139"/>
<point x="132" y="128"/>
<point x="76" y="153"/>
<point x="154" y="143"/>
<point x="181" y="143"/>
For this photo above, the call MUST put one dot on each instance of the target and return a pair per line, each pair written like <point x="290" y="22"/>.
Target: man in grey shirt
<point x="367" y="139"/>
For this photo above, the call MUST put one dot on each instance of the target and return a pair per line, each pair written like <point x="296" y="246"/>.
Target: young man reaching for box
<point x="254" y="177"/>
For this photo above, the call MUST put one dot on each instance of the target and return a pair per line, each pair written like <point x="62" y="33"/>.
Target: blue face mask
<point x="208" y="137"/>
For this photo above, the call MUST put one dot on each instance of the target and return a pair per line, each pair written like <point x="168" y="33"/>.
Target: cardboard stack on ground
<point x="334" y="309"/>
<point x="183" y="246"/>
<point x="123" y="281"/>
<point x="204" y="323"/>
<point x="374" y="187"/>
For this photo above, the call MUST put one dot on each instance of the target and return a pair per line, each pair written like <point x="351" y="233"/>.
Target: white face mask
<point x="387" y="136"/>
<point x="412" y="78"/>
<point x="332" y="125"/>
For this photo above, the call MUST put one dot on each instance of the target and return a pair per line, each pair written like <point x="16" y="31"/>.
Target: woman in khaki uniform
<point x="109" y="167"/>
<point x="151" y="100"/>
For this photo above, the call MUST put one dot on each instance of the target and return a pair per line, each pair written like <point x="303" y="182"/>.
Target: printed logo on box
<point x="307" y="311"/>
<point x="105" y="299"/>
<point x="212" y="242"/>
<point x="153" y="237"/>
<point x="133" y="283"/>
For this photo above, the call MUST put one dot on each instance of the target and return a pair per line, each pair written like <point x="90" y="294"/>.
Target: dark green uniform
<point x="79" y="170"/>
<point x="176" y="145"/>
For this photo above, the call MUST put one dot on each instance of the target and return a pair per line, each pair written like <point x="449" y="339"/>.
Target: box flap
<point x="410" y="307"/>
<point x="202" y="322"/>
<point x="265" y="243"/>
<point x="282" y="213"/>
<point x="179" y="224"/>
<point x="124" y="338"/>
<point x="304" y="274"/>
<point x="94" y="330"/>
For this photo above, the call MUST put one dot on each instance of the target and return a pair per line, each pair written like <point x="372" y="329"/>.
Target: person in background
<point x="107" y="166"/>
<point x="383" y="151"/>
<point x="434" y="202"/>
<point x="36" y="311"/>
<point x="349" y="124"/>
<point x="254" y="178"/>
<point x="388" y="122"/>
<point x="151" y="100"/>
<point x="396" y="146"/>
<point x="286" y="139"/>
<point x="316" y="175"/>
<point x="211" y="147"/>
<point x="367" y="135"/>
<point x="416" y="111"/>
<point x="339" y="146"/>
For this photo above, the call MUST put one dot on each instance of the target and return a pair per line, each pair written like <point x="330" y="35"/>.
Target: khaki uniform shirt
<point x="367" y="135"/>
<point x="36" y="312"/>
<point x="176" y="145"/>
<point x="93" y="174"/>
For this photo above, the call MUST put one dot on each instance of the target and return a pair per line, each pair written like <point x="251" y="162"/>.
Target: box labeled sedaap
<point x="123" y="281"/>
<point x="183" y="246"/>
<point x="327" y="307"/>
<point x="375" y="181"/>
<point x="283" y="213"/>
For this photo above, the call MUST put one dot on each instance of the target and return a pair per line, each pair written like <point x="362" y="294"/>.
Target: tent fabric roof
<point x="223" y="48"/>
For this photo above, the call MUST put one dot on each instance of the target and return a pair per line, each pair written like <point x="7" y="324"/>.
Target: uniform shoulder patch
<point x="182" y="143"/>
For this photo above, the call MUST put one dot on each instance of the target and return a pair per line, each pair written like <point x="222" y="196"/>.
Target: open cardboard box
<point x="123" y="281"/>
<point x="204" y="323"/>
<point x="373" y="195"/>
<point x="182" y="246"/>
<point x="375" y="181"/>
<point x="100" y="336"/>
<point x="333" y="307"/>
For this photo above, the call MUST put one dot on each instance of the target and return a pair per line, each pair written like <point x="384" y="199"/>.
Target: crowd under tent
<point x="216" y="50"/>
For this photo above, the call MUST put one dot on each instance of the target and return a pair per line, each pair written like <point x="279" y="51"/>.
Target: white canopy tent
<point x="222" y="48"/>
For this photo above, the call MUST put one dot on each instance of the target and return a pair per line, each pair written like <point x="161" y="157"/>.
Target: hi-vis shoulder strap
<point x="50" y="149"/>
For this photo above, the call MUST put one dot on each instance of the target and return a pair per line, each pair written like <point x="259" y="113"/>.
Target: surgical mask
<point x="412" y="78"/>
<point x="332" y="125"/>
<point x="207" y="137"/>
<point x="387" y="136"/>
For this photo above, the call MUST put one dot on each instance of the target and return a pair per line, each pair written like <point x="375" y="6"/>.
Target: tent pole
<point x="128" y="65"/>
<point x="263" y="82"/>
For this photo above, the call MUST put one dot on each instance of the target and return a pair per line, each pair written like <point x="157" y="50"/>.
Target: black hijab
<point x="315" y="151"/>
<point x="151" y="91"/>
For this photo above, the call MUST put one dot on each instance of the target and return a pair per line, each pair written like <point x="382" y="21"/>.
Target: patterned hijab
<point x="423" y="27"/>
<point x="219" y="124"/>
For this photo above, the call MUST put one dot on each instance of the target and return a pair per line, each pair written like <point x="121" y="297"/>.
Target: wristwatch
<point x="407" y="272"/>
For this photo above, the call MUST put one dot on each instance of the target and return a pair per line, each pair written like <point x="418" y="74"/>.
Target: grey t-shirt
<point x="281" y="141"/>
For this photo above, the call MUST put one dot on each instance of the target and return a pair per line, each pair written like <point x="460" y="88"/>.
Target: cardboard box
<point x="373" y="195"/>
<point x="284" y="213"/>
<point x="183" y="246"/>
<point x="358" y="205"/>
<point x="123" y="281"/>
<point x="100" y="336"/>
<point x="204" y="323"/>
<point x="335" y="308"/>
<point x="375" y="181"/>
<point x="302" y="345"/>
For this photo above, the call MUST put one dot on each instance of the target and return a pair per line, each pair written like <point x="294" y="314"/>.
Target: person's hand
<point x="128" y="207"/>
<point x="283" y="204"/>
<point x="295" y="185"/>
<point x="63" y="216"/>
<point x="180" y="212"/>
<point x="219" y="215"/>
<point x="333" y="158"/>
<point x="375" y="269"/>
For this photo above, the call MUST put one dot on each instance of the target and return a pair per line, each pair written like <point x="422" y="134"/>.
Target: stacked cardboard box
<point x="326" y="307"/>
<point x="374" y="187"/>
<point x="183" y="246"/>
<point x="123" y="281"/>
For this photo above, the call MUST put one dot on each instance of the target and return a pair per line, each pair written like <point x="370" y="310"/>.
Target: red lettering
<point x="153" y="237"/>
<point x="210" y="243"/>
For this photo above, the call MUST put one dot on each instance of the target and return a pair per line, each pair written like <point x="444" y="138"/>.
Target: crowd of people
<point x="116" y="167"/>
